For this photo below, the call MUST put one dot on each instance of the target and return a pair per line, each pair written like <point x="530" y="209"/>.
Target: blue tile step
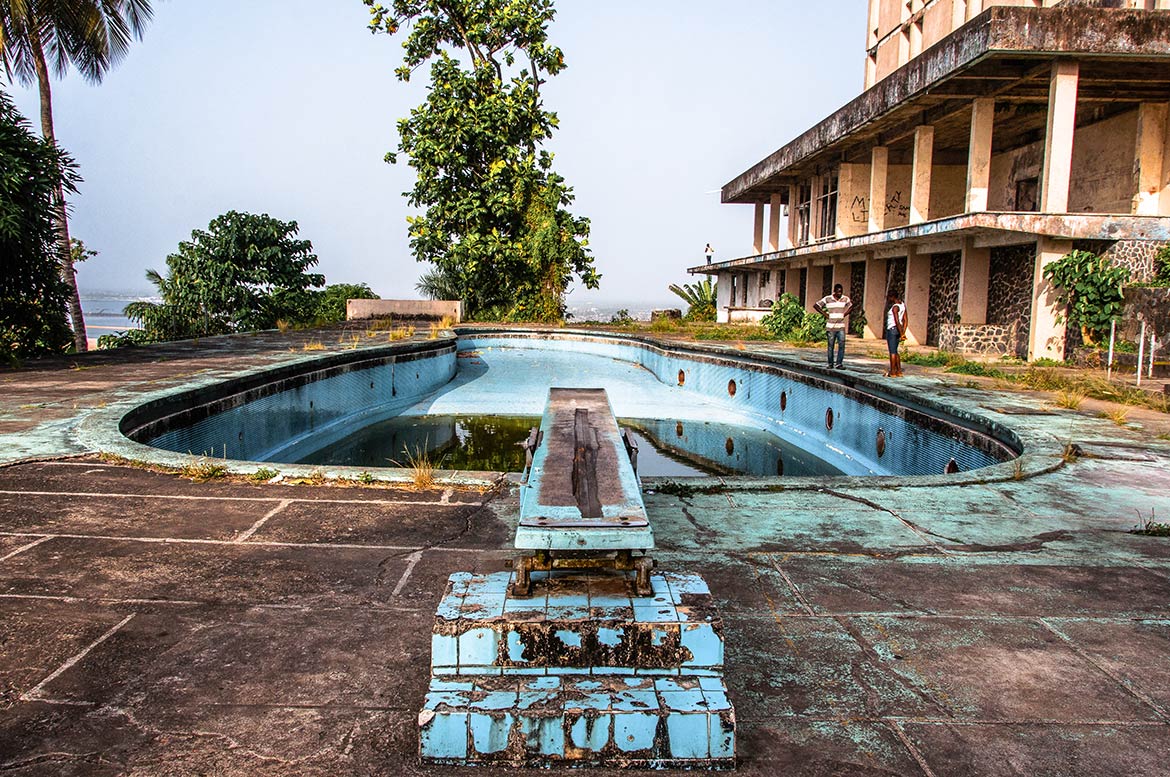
<point x="662" y="723"/>
<point x="577" y="623"/>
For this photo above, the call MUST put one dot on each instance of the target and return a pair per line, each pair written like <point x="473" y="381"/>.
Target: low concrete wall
<point x="984" y="339"/>
<point x="403" y="308"/>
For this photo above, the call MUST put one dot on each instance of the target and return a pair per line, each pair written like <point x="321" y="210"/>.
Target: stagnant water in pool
<point x="493" y="443"/>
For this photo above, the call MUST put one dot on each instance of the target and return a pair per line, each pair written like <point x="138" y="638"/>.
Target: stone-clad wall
<point x="986" y="339"/>
<point x="857" y="290"/>
<point x="1009" y="292"/>
<point x="944" y="292"/>
<point x="1135" y="255"/>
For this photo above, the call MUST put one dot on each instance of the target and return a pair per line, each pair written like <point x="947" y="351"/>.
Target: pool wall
<point x="823" y="414"/>
<point x="287" y="413"/>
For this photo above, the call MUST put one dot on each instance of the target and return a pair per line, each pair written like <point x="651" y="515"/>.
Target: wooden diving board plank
<point x="582" y="493"/>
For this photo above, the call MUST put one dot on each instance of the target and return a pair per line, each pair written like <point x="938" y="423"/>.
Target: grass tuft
<point x="421" y="465"/>
<point x="1118" y="416"/>
<point x="313" y="345"/>
<point x="263" y="474"/>
<point x="1070" y="399"/>
<point x="203" y="471"/>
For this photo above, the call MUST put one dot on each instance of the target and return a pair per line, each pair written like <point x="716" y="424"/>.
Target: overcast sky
<point x="287" y="107"/>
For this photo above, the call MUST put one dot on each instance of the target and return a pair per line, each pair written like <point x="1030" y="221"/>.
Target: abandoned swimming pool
<point x="703" y="410"/>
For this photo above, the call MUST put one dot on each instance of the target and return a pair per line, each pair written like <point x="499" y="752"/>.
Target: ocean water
<point x="103" y="313"/>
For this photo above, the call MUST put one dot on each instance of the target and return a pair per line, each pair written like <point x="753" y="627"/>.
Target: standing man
<point x="895" y="332"/>
<point x="709" y="251"/>
<point x="835" y="308"/>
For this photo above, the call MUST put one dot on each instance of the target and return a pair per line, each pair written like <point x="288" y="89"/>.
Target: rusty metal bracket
<point x="547" y="561"/>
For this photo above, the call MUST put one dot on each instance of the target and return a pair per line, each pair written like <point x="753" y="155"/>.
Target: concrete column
<point x="843" y="274"/>
<point x="974" y="279"/>
<point x="792" y="280"/>
<point x="878" y="175"/>
<point x="814" y="279"/>
<point x="1058" y="144"/>
<point x="979" y="154"/>
<point x="920" y="176"/>
<point x="774" y="209"/>
<point x="1150" y="162"/>
<point x="874" y="303"/>
<point x="793" y="196"/>
<point x="758" y="231"/>
<point x="722" y="296"/>
<point x="1046" y="336"/>
<point x="917" y="296"/>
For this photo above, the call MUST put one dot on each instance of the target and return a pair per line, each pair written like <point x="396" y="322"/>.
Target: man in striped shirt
<point x="835" y="308"/>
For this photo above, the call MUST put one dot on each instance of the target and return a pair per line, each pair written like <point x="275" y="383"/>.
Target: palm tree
<point x="90" y="35"/>
<point x="700" y="297"/>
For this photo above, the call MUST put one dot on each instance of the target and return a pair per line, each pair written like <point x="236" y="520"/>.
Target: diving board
<point x="581" y="506"/>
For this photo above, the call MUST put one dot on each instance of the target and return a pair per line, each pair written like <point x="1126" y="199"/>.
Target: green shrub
<point x="786" y="318"/>
<point x="1091" y="288"/>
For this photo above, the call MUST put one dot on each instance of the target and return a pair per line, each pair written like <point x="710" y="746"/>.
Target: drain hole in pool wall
<point x="731" y="388"/>
<point x="780" y="466"/>
<point x="678" y="429"/>
<point x="783" y="401"/>
<point x="881" y="442"/>
<point x="952" y="467"/>
<point x="829" y="419"/>
<point x="729" y="446"/>
<point x="682" y="377"/>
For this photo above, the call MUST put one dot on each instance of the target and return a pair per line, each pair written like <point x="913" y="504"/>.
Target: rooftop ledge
<point x="1030" y="33"/>
<point x="992" y="228"/>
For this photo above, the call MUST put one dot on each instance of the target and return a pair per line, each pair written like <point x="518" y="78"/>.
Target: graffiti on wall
<point x="896" y="209"/>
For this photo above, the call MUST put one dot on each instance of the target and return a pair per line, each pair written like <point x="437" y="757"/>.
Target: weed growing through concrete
<point x="263" y="474"/>
<point x="365" y="478"/>
<point x="404" y="333"/>
<point x="1118" y="416"/>
<point x="686" y="490"/>
<point x="1071" y="453"/>
<point x="313" y="345"/>
<point x="446" y="322"/>
<point x="203" y="471"/>
<point x="1017" y="470"/>
<point x="421" y="466"/>
<point x="1151" y="527"/>
<point x="1070" y="399"/>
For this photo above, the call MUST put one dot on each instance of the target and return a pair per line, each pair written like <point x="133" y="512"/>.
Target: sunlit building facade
<point x="992" y="138"/>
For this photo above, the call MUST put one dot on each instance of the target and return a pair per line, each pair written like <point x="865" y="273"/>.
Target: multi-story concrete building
<point x="992" y="139"/>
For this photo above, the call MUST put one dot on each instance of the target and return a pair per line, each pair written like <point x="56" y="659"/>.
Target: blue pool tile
<point x="676" y="685"/>
<point x="542" y="684"/>
<point x="495" y="700"/>
<point x="515" y="648"/>
<point x="612" y="670"/>
<point x="444" y="650"/>
<point x="478" y="647"/>
<point x="590" y="732"/>
<point x="688" y="734"/>
<point x="610" y="637"/>
<point x="712" y="684"/>
<point x="568" y="637"/>
<point x="453" y="699"/>
<point x="633" y="701"/>
<point x="684" y="702"/>
<point x="489" y="732"/>
<point x="705" y="645"/>
<point x="451" y="685"/>
<point x="717" y="701"/>
<point x="635" y="731"/>
<point x="722" y="735"/>
<point x="558" y="613"/>
<point x="443" y="735"/>
<point x="655" y="613"/>
<point x="544" y="735"/>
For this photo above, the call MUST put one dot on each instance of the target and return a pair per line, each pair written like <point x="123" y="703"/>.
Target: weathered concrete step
<point x="577" y="624"/>
<point x="678" y="722"/>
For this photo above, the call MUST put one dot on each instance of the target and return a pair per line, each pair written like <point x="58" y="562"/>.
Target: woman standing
<point x="895" y="332"/>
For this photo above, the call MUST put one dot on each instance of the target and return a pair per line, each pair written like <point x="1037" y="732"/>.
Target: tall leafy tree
<point x="37" y="36"/>
<point x="32" y="293"/>
<point x="244" y="272"/>
<point x="495" y="223"/>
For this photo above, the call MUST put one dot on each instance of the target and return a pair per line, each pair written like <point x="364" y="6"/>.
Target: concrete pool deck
<point x="150" y="624"/>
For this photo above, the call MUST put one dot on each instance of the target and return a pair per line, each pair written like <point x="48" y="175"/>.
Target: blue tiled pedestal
<point x="581" y="673"/>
